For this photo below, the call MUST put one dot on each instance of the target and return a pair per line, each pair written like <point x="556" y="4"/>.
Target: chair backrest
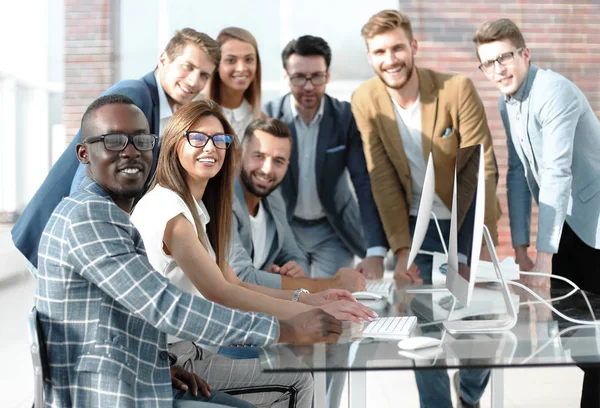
<point x="38" y="356"/>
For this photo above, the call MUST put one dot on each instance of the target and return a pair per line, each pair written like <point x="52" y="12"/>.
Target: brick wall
<point x="562" y="35"/>
<point x="88" y="57"/>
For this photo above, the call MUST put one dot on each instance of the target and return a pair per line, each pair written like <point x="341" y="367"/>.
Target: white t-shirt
<point x="409" y="123"/>
<point x="150" y="217"/>
<point x="239" y="118"/>
<point x="262" y="235"/>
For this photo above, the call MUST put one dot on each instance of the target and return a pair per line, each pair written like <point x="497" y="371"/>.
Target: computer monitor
<point x="424" y="212"/>
<point x="466" y="222"/>
<point x="466" y="231"/>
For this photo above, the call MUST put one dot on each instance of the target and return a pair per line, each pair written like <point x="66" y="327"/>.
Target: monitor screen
<point x="424" y="212"/>
<point x="466" y="223"/>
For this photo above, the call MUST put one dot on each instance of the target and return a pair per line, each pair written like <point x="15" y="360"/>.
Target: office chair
<point x="38" y="356"/>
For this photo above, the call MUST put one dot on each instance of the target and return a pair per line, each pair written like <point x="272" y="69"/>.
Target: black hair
<point x="100" y="102"/>
<point x="305" y="46"/>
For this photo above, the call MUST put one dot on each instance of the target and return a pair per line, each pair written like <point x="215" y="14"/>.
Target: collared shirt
<point x="308" y="206"/>
<point x="164" y="108"/>
<point x="263" y="233"/>
<point x="239" y="118"/>
<point x="409" y="124"/>
<point x="518" y="126"/>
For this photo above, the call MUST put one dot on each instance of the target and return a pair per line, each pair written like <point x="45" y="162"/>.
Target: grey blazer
<point x="562" y="172"/>
<point x="103" y="309"/>
<point x="339" y="152"/>
<point x="283" y="248"/>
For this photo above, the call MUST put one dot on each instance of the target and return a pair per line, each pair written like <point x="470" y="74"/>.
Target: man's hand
<point x="371" y="267"/>
<point x="349" y="279"/>
<point x="353" y="311"/>
<point x="326" y="296"/>
<point x="522" y="259"/>
<point x="184" y="380"/>
<point x="543" y="264"/>
<point x="291" y="269"/>
<point x="401" y="274"/>
<point x="314" y="326"/>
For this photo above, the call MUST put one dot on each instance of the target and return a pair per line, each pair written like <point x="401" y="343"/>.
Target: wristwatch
<point x="297" y="294"/>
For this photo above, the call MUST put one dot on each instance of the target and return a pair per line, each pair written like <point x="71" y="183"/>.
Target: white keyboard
<point x="381" y="287"/>
<point x="391" y="327"/>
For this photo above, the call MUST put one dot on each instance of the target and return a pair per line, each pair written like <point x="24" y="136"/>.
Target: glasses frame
<point x="306" y="79"/>
<point x="497" y="60"/>
<point x="187" y="135"/>
<point x="130" y="140"/>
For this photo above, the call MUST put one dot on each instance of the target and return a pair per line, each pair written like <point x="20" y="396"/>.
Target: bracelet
<point x="297" y="293"/>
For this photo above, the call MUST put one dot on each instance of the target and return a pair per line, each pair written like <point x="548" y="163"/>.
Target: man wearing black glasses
<point x="553" y="154"/>
<point x="323" y="213"/>
<point x="183" y="70"/>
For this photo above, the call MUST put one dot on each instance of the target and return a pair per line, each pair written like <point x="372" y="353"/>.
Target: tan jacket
<point x="447" y="101"/>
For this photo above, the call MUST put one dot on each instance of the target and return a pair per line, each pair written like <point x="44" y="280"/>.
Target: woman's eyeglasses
<point x="199" y="139"/>
<point x="117" y="142"/>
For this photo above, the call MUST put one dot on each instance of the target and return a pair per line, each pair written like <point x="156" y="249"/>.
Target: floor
<point x="529" y="387"/>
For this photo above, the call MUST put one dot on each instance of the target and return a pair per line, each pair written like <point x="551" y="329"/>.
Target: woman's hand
<point x="326" y="296"/>
<point x="345" y="310"/>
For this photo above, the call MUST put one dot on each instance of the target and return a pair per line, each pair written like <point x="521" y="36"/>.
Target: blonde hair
<point x="499" y="30"/>
<point x="253" y="93"/>
<point x="181" y="38"/>
<point x="218" y="195"/>
<point x="384" y="21"/>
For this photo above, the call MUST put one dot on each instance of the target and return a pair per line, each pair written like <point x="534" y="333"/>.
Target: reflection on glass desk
<point x="540" y="338"/>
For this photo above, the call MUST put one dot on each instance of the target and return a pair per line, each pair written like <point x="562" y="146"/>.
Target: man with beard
<point x="321" y="208"/>
<point x="264" y="250"/>
<point x="403" y="114"/>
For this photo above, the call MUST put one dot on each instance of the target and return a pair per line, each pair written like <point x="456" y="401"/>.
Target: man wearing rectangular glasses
<point x="553" y="154"/>
<point x="323" y="212"/>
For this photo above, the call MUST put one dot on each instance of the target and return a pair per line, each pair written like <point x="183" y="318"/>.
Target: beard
<point x="246" y="179"/>
<point x="409" y="67"/>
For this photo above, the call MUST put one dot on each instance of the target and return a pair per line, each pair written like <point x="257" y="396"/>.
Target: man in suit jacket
<point x="183" y="70"/>
<point x="264" y="250"/>
<point x="322" y="209"/>
<point x="404" y="114"/>
<point x="103" y="310"/>
<point x="553" y="154"/>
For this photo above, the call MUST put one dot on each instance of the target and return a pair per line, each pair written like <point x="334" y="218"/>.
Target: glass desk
<point x="540" y="338"/>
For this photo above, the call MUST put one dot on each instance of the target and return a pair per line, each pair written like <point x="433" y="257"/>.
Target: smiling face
<point x="265" y="161"/>
<point x="185" y="76"/>
<point x="509" y="75"/>
<point x="308" y="96"/>
<point x="202" y="163"/>
<point x="238" y="64"/>
<point x="391" y="54"/>
<point x="122" y="174"/>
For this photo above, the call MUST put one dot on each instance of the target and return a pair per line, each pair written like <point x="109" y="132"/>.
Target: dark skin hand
<point x="313" y="326"/>
<point x="184" y="380"/>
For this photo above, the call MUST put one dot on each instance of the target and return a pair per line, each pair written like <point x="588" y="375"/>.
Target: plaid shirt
<point x="104" y="310"/>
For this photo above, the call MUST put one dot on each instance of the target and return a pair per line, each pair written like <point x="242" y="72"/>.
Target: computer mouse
<point x="419" y="342"/>
<point x="367" y="296"/>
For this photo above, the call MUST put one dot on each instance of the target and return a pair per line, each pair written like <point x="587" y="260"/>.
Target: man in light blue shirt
<point x="323" y="212"/>
<point x="553" y="140"/>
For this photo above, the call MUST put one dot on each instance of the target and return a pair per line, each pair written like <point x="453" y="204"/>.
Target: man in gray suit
<point x="323" y="212"/>
<point x="553" y="147"/>
<point x="264" y="250"/>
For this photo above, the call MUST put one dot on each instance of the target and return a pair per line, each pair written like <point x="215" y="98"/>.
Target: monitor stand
<point x="486" y="326"/>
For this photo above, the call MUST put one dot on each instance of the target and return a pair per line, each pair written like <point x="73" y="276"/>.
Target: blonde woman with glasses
<point x="185" y="221"/>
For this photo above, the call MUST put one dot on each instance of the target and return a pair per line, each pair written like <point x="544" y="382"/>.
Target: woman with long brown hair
<point x="193" y="185"/>
<point x="236" y="83"/>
